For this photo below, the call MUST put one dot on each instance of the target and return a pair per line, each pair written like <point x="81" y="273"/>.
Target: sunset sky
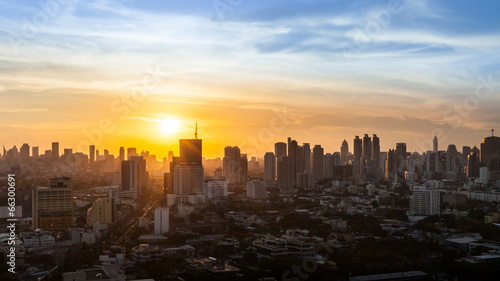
<point x="251" y="72"/>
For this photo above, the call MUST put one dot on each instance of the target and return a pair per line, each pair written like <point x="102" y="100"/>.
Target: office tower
<point x="279" y="149"/>
<point x="190" y="152"/>
<point x="466" y="151"/>
<point x="435" y="145"/>
<point x="425" y="202"/>
<point x="34" y="152"/>
<point x="473" y="165"/>
<point x="235" y="165"/>
<point x="307" y="157"/>
<point x="317" y="168"/>
<point x="328" y="166"/>
<point x="256" y="189"/>
<point x="490" y="153"/>
<point x="161" y="221"/>
<point x="121" y="155"/>
<point x="390" y="164"/>
<point x="305" y="180"/>
<point x="188" y="179"/>
<point x="344" y="151"/>
<point x="358" y="152"/>
<point x="282" y="176"/>
<point x="92" y="154"/>
<point x="483" y="175"/>
<point x="375" y="147"/>
<point x="53" y="206"/>
<point x="135" y="178"/>
<point x="55" y="150"/>
<point x="131" y="152"/>
<point x="103" y="210"/>
<point x="293" y="159"/>
<point x="24" y="153"/>
<point x="367" y="147"/>
<point x="401" y="155"/>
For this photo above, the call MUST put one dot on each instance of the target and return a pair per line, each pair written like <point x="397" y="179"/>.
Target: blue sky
<point x="343" y="68"/>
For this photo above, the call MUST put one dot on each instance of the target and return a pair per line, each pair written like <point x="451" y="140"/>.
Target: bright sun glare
<point x="169" y="126"/>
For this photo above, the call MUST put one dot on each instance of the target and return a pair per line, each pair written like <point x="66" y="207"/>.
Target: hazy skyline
<point x="68" y="65"/>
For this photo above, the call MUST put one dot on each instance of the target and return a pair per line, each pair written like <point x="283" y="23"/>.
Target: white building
<point x="256" y="189"/>
<point x="215" y="188"/>
<point x="425" y="202"/>
<point x="161" y="221"/>
<point x="483" y="175"/>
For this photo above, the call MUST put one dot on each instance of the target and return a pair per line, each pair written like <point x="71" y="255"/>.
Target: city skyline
<point x="323" y="70"/>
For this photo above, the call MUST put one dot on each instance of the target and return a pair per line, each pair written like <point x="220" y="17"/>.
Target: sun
<point x="169" y="126"/>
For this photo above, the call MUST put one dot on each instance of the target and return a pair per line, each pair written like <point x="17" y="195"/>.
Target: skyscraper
<point x="367" y="147"/>
<point x="121" y="156"/>
<point x="358" y="152"/>
<point x="190" y="152"/>
<point x="400" y="154"/>
<point x="293" y="158"/>
<point x="317" y="168"/>
<point x="235" y="165"/>
<point x="131" y="151"/>
<point x="161" y="221"/>
<point x="135" y="178"/>
<point x="375" y="147"/>
<point x="34" y="152"/>
<point x="425" y="202"/>
<point x="92" y="154"/>
<point x="435" y="147"/>
<point x="55" y="151"/>
<point x="490" y="153"/>
<point x="269" y="168"/>
<point x="390" y="164"/>
<point x="53" y="206"/>
<point x="344" y="151"/>
<point x="24" y="153"/>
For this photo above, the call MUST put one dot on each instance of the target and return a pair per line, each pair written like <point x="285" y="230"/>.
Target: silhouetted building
<point x="269" y="168"/>
<point x="55" y="151"/>
<point x="53" y="206"/>
<point x="344" y="151"/>
<point x="318" y="153"/>
<point x="490" y="153"/>
<point x="92" y="154"/>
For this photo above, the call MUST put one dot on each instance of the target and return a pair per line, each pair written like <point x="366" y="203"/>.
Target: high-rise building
<point x="367" y="147"/>
<point x="103" y="210"/>
<point x="161" y="221"/>
<point x="358" y="152"/>
<point x="401" y="155"/>
<point x="328" y="166"/>
<point x="283" y="179"/>
<point x="307" y="157"/>
<point x="279" y="149"/>
<point x="317" y="168"/>
<point x="490" y="153"/>
<point x="35" y="152"/>
<point x="425" y="202"/>
<point x="190" y="152"/>
<point x="55" y="151"/>
<point x="375" y="147"/>
<point x="131" y="152"/>
<point x="435" y="147"/>
<point x="53" y="206"/>
<point x="135" y="178"/>
<point x="188" y="179"/>
<point x="269" y="168"/>
<point x="235" y="165"/>
<point x="293" y="159"/>
<point x="473" y="165"/>
<point x="344" y="151"/>
<point x="390" y="164"/>
<point x="92" y="154"/>
<point x="24" y="153"/>
<point x="121" y="156"/>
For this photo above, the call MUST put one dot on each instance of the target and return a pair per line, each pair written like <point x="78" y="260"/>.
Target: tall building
<point x="318" y="154"/>
<point x="328" y="166"/>
<point x="375" y="147"/>
<point x="269" y="168"/>
<point x="103" y="210"/>
<point x="131" y="152"/>
<point x="24" y="153"/>
<point x="55" y="151"/>
<point x="161" y="221"/>
<point x="53" y="206"/>
<point x="490" y="153"/>
<point x="188" y="180"/>
<point x="307" y="157"/>
<point x="282" y="176"/>
<point x="390" y="164"/>
<point x="425" y="202"/>
<point x="34" y="152"/>
<point x="190" y="152"/>
<point x="293" y="159"/>
<point x="473" y="165"/>
<point x="135" y="178"/>
<point x="121" y="156"/>
<point x="358" y="152"/>
<point x="279" y="149"/>
<point x="92" y="154"/>
<point x="435" y="147"/>
<point x="367" y="147"/>
<point x="235" y="165"/>
<point x="344" y="151"/>
<point x="400" y="154"/>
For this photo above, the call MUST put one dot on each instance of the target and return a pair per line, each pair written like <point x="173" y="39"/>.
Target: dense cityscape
<point x="295" y="213"/>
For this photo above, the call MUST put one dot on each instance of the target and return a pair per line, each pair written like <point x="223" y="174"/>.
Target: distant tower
<point x="344" y="150"/>
<point x="435" y="145"/>
<point x="196" y="130"/>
